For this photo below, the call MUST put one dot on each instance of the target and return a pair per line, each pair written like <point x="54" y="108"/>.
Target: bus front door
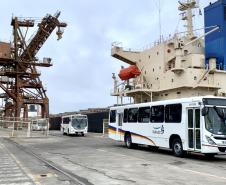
<point x="119" y="126"/>
<point x="193" y="122"/>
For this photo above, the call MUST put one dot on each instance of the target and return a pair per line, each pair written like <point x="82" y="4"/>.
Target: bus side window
<point x="112" y="116"/>
<point x="66" y="120"/>
<point x="125" y="116"/>
<point x="132" y="115"/>
<point x="157" y="114"/>
<point x="144" y="115"/>
<point x="173" y="113"/>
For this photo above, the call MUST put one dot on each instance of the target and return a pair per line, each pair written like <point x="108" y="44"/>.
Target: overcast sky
<point x="82" y="73"/>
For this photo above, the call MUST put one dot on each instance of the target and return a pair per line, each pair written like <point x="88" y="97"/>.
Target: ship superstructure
<point x="182" y="66"/>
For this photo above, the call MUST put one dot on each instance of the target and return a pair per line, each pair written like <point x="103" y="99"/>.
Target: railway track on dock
<point x="72" y="178"/>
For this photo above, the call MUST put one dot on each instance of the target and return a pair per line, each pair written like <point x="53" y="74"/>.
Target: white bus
<point x="74" y="124"/>
<point x="196" y="124"/>
<point x="39" y="124"/>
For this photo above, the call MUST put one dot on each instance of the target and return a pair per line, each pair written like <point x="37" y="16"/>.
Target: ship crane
<point x="46" y="27"/>
<point x="20" y="79"/>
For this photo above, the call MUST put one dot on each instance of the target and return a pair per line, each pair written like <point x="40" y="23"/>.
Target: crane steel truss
<point x="19" y="78"/>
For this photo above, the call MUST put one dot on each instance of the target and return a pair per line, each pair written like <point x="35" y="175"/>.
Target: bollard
<point x="29" y="129"/>
<point x="47" y="132"/>
<point x="13" y="129"/>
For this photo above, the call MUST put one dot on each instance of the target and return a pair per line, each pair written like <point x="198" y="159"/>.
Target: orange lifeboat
<point x="128" y="73"/>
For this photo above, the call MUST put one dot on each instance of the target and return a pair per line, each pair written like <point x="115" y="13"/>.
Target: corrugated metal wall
<point x="96" y="121"/>
<point x="54" y="123"/>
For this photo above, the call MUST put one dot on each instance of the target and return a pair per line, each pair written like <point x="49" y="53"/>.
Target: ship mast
<point x="186" y="7"/>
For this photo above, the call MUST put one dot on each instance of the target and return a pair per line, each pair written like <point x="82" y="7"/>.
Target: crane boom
<point x="46" y="27"/>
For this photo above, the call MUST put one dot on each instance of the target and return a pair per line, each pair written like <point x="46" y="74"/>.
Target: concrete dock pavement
<point x="94" y="159"/>
<point x="20" y="166"/>
<point x="11" y="171"/>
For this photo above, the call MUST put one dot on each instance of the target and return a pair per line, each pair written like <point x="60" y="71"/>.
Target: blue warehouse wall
<point x="215" y="43"/>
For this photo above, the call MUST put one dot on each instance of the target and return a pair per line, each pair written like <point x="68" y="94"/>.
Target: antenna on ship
<point x="158" y="5"/>
<point x="186" y="6"/>
<point x="160" y="23"/>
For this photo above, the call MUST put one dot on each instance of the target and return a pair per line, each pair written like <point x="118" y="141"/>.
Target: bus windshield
<point x="42" y="123"/>
<point x="79" y="123"/>
<point x="215" y="120"/>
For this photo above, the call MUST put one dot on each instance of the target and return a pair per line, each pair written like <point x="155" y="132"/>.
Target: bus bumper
<point x="217" y="149"/>
<point x="79" y="131"/>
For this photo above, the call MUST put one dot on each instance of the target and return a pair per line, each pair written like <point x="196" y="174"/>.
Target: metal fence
<point x="23" y="127"/>
<point x="105" y="127"/>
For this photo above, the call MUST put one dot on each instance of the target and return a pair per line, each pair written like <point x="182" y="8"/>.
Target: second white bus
<point x="74" y="124"/>
<point x="196" y="124"/>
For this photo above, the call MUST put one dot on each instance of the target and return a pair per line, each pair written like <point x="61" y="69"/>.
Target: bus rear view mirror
<point x="205" y="111"/>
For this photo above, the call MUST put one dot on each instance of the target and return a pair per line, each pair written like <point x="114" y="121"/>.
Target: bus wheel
<point x="128" y="142"/>
<point x="177" y="148"/>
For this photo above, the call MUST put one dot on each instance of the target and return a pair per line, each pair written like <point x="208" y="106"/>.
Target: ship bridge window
<point x="185" y="52"/>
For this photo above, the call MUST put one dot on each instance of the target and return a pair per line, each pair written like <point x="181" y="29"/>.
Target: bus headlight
<point x="210" y="141"/>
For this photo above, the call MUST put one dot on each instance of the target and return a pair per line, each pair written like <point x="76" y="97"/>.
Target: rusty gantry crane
<point x="19" y="78"/>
